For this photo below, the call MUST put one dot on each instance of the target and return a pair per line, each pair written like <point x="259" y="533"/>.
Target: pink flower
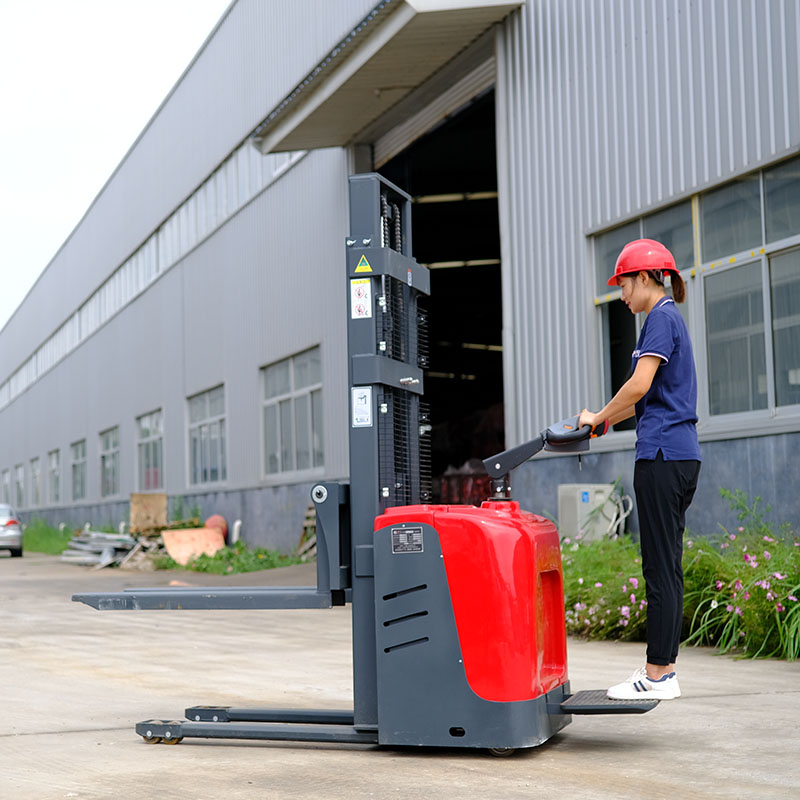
<point x="718" y="584"/>
<point x="779" y="608"/>
<point x="767" y="555"/>
<point x="633" y="597"/>
<point x="738" y="611"/>
<point x="747" y="558"/>
<point x="729" y="607"/>
<point x="731" y="536"/>
<point x="741" y="529"/>
<point x="634" y="582"/>
<point x="580" y="581"/>
<point x="625" y="611"/>
<point x="770" y="596"/>
<point x="690" y="544"/>
<point x="754" y="563"/>
<point x="747" y="595"/>
<point x="598" y="585"/>
<point x="768" y="539"/>
<point x="792" y="598"/>
<point x="738" y="586"/>
<point x="778" y="576"/>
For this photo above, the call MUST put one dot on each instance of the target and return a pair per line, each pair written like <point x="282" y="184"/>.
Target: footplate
<point x="595" y="701"/>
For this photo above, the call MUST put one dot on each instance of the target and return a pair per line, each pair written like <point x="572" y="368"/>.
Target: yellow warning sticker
<point x="363" y="265"/>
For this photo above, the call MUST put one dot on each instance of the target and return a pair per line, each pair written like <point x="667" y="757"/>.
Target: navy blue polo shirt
<point x="666" y="417"/>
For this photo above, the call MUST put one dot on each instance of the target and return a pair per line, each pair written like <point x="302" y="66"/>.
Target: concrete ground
<point x="75" y="681"/>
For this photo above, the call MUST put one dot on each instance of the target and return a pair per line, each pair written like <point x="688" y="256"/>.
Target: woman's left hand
<point x="588" y="418"/>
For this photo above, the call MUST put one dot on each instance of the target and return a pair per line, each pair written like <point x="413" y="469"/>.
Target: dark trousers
<point x="664" y="490"/>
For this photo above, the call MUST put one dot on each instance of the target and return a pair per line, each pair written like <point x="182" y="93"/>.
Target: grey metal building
<point x="189" y="335"/>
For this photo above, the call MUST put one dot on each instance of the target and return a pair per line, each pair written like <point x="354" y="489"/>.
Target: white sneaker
<point x="639" y="687"/>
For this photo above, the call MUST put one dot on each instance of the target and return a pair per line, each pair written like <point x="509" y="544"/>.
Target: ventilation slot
<point x="402" y="592"/>
<point x="405" y="618"/>
<point x="405" y="644"/>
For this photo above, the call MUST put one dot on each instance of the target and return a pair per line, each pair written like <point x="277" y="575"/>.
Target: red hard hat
<point x="643" y="254"/>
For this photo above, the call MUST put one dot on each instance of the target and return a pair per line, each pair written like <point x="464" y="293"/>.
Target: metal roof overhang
<point x="395" y="49"/>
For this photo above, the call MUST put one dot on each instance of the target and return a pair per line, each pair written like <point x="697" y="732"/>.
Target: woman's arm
<point x="622" y="404"/>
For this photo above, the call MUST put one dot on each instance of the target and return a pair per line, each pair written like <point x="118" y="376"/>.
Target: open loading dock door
<point x="451" y="173"/>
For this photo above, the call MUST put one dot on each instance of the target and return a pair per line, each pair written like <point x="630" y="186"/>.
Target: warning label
<point x="407" y="540"/>
<point x="363" y="265"/>
<point x="360" y="298"/>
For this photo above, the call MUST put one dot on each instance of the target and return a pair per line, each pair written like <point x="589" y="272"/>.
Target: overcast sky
<point x="79" y="80"/>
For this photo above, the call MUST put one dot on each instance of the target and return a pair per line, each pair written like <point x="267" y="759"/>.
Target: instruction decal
<point x="360" y="298"/>
<point x="363" y="265"/>
<point x="361" y="400"/>
<point x="407" y="540"/>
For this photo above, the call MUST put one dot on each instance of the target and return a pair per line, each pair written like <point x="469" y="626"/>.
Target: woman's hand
<point x="589" y="418"/>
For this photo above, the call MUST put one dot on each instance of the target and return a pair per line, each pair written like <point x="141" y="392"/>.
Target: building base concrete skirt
<point x="272" y="517"/>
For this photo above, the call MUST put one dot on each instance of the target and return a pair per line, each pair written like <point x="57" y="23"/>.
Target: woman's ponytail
<point x="678" y="287"/>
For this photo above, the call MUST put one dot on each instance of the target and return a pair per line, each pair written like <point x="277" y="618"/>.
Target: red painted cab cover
<point x="504" y="572"/>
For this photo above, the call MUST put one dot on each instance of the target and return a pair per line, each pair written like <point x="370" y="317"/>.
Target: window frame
<point x="112" y="453"/>
<point x="292" y="395"/>
<point x="35" y="468"/>
<point x="144" y="442"/>
<point x="207" y="421"/>
<point x="19" y="486"/>
<point x="773" y="419"/>
<point x="80" y="463"/>
<point x="53" y="497"/>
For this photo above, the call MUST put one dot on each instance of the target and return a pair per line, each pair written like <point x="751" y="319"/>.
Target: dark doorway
<point x="451" y="173"/>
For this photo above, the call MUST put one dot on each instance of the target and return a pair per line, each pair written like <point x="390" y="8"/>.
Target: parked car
<point x="10" y="531"/>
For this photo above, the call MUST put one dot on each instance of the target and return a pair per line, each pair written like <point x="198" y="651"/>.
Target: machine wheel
<point x="152" y="740"/>
<point x="177" y="740"/>
<point x="502" y="752"/>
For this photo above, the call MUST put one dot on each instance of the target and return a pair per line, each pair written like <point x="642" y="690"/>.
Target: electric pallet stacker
<point x="459" y="637"/>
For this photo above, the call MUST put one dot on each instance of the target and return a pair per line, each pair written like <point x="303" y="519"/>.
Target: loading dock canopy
<point x="391" y="52"/>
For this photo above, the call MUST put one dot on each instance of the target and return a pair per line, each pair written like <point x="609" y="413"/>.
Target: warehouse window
<point x="36" y="483"/>
<point x="19" y="485"/>
<point x="751" y="281"/>
<point x="749" y="293"/>
<point x="784" y="270"/>
<point x="78" y="452"/>
<point x="292" y="414"/>
<point x="150" y="451"/>
<point x="54" y="476"/>
<point x="207" y="437"/>
<point x="6" y="486"/>
<point x="109" y="462"/>
<point x="673" y="227"/>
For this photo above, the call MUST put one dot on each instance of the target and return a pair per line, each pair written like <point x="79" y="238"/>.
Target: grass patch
<point x="741" y="588"/>
<point x="40" y="537"/>
<point x="229" y="560"/>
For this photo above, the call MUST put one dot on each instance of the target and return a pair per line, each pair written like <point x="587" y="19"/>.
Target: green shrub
<point x="741" y="589"/>
<point x="236" y="558"/>
<point x="39" y="537"/>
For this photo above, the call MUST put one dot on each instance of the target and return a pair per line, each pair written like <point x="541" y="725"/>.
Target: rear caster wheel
<point x="177" y="740"/>
<point x="502" y="752"/>
<point x="152" y="739"/>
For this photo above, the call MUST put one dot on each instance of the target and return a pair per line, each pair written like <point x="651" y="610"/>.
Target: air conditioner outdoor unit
<point x="590" y="511"/>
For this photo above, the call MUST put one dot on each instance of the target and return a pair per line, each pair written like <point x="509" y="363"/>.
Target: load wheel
<point x="502" y="752"/>
<point x="152" y="739"/>
<point x="177" y="740"/>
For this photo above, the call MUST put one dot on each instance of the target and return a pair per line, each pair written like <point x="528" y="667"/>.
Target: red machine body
<point x="503" y="569"/>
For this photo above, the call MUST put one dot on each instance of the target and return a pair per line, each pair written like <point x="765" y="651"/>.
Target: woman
<point x="662" y="393"/>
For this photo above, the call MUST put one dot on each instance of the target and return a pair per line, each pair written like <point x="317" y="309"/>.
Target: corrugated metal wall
<point x="259" y="290"/>
<point x="256" y="56"/>
<point x="605" y="109"/>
